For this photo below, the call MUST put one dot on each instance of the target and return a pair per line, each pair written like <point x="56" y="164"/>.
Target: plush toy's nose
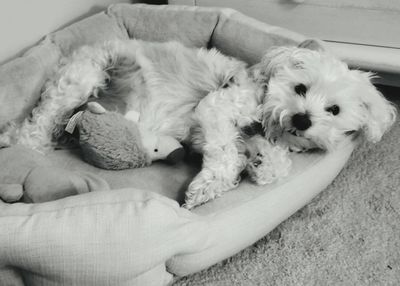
<point x="301" y="121"/>
<point x="176" y="156"/>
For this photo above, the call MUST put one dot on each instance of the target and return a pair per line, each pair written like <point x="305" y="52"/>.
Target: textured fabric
<point x="248" y="39"/>
<point x="9" y="276"/>
<point x="35" y="178"/>
<point x="22" y="79"/>
<point x="97" y="28"/>
<point x="125" y="237"/>
<point x="188" y="25"/>
<point x="169" y="180"/>
<point x="104" y="238"/>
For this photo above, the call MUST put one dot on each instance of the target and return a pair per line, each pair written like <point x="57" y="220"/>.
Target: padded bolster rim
<point x="193" y="26"/>
<point x="261" y="214"/>
<point x="248" y="39"/>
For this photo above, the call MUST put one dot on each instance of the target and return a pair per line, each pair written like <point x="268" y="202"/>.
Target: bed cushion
<point x="117" y="238"/>
<point x="137" y="234"/>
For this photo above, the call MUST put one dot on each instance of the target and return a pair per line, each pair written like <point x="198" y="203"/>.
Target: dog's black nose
<point x="301" y="121"/>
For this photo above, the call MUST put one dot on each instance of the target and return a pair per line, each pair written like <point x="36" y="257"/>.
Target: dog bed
<point x="137" y="234"/>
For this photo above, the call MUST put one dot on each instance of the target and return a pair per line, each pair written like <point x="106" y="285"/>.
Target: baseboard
<point x="385" y="61"/>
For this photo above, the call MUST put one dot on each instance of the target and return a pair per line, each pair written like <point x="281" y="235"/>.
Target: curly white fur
<point x="75" y="80"/>
<point x="216" y="135"/>
<point x="205" y="98"/>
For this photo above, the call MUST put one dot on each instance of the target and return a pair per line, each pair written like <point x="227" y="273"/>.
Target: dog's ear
<point x="276" y="56"/>
<point x="279" y="56"/>
<point x="379" y="113"/>
<point x="313" y="44"/>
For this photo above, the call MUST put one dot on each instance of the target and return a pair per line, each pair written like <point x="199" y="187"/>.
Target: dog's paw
<point x="267" y="163"/>
<point x="207" y="186"/>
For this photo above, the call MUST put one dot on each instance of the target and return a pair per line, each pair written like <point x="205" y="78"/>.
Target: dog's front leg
<point x="218" y="139"/>
<point x="76" y="79"/>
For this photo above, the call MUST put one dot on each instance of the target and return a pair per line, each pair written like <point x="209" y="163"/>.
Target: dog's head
<point x="313" y="100"/>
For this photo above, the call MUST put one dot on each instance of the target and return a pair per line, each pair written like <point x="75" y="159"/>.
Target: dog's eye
<point x="230" y="82"/>
<point x="334" y="109"/>
<point x="300" y="89"/>
<point x="351" y="132"/>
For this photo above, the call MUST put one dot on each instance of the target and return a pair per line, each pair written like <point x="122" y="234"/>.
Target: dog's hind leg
<point x="77" y="78"/>
<point x="223" y="157"/>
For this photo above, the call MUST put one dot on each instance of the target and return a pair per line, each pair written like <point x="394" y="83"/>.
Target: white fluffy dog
<point x="304" y="99"/>
<point x="312" y="100"/>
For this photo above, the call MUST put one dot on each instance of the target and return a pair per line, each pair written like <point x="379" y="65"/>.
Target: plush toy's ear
<point x="379" y="113"/>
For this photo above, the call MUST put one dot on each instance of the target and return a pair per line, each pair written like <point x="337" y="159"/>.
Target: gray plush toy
<point x="110" y="141"/>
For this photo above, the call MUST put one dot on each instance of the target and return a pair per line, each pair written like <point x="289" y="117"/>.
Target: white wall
<point x="24" y="22"/>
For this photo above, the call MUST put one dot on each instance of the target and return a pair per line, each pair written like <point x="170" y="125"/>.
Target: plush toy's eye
<point x="300" y="89"/>
<point x="334" y="109"/>
<point x="155" y="150"/>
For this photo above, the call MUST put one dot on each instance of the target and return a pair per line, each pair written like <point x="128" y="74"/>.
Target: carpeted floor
<point x="348" y="235"/>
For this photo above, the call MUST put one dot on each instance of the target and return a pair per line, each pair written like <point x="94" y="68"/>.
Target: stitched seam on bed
<point x="213" y="30"/>
<point x="85" y="206"/>
<point x="119" y="21"/>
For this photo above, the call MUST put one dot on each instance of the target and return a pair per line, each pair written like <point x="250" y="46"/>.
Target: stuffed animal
<point x="111" y="141"/>
<point x="31" y="177"/>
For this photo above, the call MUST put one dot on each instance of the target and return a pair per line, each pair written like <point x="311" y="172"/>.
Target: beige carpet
<point x="348" y="235"/>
